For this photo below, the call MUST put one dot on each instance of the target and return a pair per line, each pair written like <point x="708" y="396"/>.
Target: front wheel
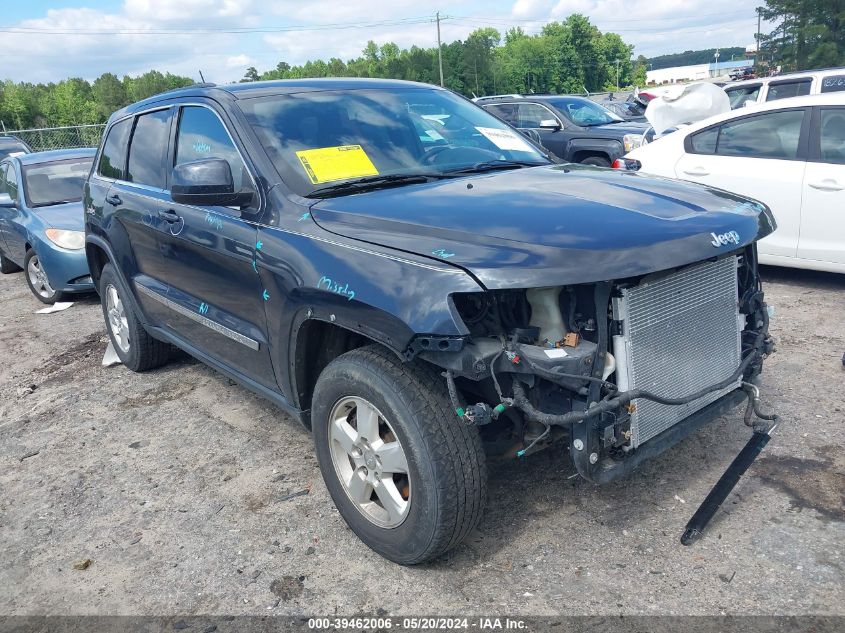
<point x="36" y="279"/>
<point x="405" y="473"/>
<point x="134" y="346"/>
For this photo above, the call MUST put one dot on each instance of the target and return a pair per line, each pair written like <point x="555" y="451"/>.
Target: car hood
<point x="616" y="130"/>
<point x="551" y="225"/>
<point x="69" y="216"/>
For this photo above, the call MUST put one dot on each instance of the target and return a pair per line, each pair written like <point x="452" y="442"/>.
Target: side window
<point x="3" y="178"/>
<point x="148" y="149"/>
<point x="203" y="135"/>
<point x="12" y="183"/>
<point x="832" y="136"/>
<point x="739" y="95"/>
<point x="770" y="135"/>
<point x="834" y="83"/>
<point x="113" y="157"/>
<point x="505" y="111"/>
<point x="704" y="142"/>
<point x="786" y="89"/>
<point x="532" y="115"/>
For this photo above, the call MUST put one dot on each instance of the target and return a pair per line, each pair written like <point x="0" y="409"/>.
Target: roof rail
<point x="499" y="97"/>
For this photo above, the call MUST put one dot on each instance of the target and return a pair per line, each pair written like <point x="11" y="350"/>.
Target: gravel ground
<point x="178" y="492"/>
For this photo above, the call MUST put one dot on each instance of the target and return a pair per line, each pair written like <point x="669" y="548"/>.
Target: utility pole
<point x="757" y="51"/>
<point x="716" y="69"/>
<point x="439" y="49"/>
<point x="617" y="75"/>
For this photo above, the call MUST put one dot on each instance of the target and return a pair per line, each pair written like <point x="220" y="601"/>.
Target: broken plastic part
<point x="545" y="312"/>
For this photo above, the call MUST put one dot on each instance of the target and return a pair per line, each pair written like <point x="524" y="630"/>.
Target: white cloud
<point x="239" y="61"/>
<point x="654" y="27"/>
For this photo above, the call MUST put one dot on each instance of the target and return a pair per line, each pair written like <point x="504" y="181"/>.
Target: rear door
<point x="137" y="196"/>
<point x="761" y="156"/>
<point x="214" y="289"/>
<point x="823" y="204"/>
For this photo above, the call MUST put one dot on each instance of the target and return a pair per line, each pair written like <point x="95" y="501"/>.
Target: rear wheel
<point x="406" y="475"/>
<point x="597" y="161"/>
<point x="7" y="265"/>
<point x="36" y="278"/>
<point x="134" y="346"/>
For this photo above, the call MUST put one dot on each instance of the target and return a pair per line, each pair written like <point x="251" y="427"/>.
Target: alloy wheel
<point x="117" y="321"/>
<point x="370" y="462"/>
<point x="38" y="278"/>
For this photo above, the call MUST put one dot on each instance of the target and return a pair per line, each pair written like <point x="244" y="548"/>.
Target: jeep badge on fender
<point x="731" y="237"/>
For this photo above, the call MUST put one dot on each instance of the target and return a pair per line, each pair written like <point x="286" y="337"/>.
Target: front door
<point x="823" y="205"/>
<point x="759" y="157"/>
<point x="215" y="291"/>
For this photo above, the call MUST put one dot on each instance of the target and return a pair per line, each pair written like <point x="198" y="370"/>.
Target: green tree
<point x="251" y="74"/>
<point x="809" y="33"/>
<point x="109" y="94"/>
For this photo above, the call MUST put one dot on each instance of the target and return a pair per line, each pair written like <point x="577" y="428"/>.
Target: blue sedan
<point x="41" y="221"/>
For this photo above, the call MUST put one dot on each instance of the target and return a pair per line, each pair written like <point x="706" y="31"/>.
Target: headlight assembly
<point x="632" y="141"/>
<point x="71" y="240"/>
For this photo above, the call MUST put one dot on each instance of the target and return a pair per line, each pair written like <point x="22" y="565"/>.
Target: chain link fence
<point x="41" y="139"/>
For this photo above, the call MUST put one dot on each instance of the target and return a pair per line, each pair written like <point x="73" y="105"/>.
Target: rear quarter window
<point x="834" y="83"/>
<point x="113" y="157"/>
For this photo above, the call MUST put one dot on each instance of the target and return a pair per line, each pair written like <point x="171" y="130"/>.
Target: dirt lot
<point x="189" y="495"/>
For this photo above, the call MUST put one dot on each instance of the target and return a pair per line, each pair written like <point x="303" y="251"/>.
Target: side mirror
<point x="549" y="124"/>
<point x="6" y="201"/>
<point x="206" y="182"/>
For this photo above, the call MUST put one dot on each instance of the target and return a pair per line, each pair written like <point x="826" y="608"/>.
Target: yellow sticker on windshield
<point x="336" y="163"/>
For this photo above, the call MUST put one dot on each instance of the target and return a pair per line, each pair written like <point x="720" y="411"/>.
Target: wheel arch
<point x="314" y="344"/>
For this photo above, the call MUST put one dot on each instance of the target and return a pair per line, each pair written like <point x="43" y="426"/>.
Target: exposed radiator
<point x="680" y="333"/>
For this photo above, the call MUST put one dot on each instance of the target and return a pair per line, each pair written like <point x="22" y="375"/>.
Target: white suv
<point x="784" y="86"/>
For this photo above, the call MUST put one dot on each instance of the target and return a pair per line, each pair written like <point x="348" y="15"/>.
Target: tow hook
<point x="763" y="429"/>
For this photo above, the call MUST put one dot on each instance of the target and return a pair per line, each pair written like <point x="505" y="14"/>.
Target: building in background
<point x="697" y="72"/>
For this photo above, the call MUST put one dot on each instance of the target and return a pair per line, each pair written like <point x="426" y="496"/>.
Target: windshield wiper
<point x="368" y="183"/>
<point x="492" y="165"/>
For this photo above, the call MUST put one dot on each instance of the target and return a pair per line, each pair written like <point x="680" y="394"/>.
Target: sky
<point x="51" y="40"/>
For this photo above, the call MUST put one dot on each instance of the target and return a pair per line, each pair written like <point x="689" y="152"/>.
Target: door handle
<point x="697" y="171"/>
<point x="827" y="185"/>
<point x="114" y="200"/>
<point x="170" y="216"/>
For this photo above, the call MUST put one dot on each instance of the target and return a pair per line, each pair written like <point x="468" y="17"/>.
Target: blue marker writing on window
<point x="203" y="308"/>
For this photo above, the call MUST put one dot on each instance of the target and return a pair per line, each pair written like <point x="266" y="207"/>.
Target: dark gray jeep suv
<point x="418" y="284"/>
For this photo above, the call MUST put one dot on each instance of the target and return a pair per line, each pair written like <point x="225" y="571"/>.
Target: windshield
<point x="57" y="182"/>
<point x="320" y="139"/>
<point x="584" y="112"/>
<point x="8" y="149"/>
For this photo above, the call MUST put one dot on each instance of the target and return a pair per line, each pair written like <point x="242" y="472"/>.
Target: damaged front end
<point x="622" y="369"/>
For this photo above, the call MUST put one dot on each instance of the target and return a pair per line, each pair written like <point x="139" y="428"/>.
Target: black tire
<point x="41" y="290"/>
<point x="445" y="459"/>
<point x="7" y="265"/>
<point x="144" y="352"/>
<point x="597" y="161"/>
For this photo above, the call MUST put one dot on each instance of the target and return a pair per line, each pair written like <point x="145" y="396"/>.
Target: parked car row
<point x="573" y="128"/>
